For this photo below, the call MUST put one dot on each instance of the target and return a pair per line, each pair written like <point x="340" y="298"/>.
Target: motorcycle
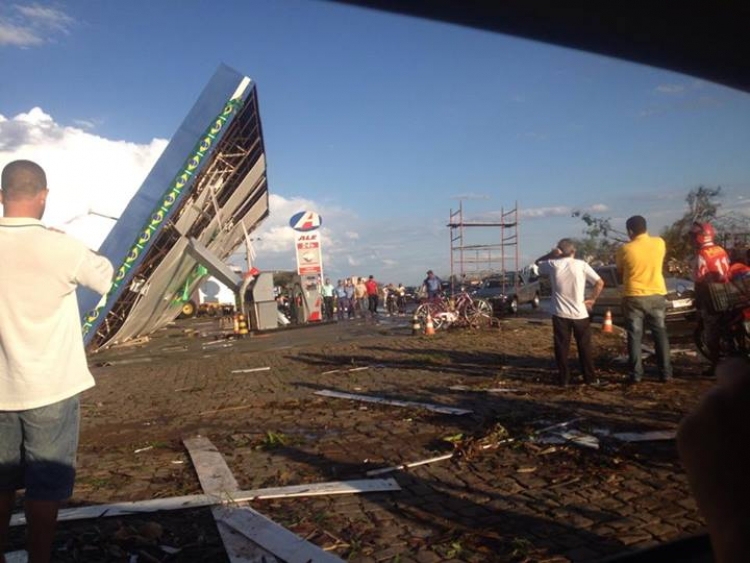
<point x="734" y="330"/>
<point x="391" y="303"/>
<point x="732" y="301"/>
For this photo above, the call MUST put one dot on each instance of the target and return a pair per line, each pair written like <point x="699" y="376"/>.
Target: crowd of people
<point x="640" y="264"/>
<point x="357" y="297"/>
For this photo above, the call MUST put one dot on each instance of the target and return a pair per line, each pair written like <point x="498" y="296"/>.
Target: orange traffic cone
<point x="429" y="328"/>
<point x="416" y="327"/>
<point x="242" y="321"/>
<point x="607" y="324"/>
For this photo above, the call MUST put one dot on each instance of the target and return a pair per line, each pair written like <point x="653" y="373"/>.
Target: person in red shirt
<point x="372" y="296"/>
<point x="711" y="266"/>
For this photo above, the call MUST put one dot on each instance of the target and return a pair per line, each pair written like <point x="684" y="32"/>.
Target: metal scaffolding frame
<point x="495" y="257"/>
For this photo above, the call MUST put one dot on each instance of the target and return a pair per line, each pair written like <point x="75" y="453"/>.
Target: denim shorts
<point x="38" y="450"/>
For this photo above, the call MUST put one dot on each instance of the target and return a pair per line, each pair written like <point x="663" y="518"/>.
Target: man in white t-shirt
<point x="43" y="366"/>
<point x="570" y="310"/>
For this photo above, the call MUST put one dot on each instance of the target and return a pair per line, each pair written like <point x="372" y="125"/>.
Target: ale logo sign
<point x="305" y="221"/>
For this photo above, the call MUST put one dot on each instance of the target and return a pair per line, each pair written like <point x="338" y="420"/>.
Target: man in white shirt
<point x="43" y="366"/>
<point x="326" y="291"/>
<point x="570" y="310"/>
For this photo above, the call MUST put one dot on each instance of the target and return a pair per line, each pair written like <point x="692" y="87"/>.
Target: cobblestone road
<point x="523" y="500"/>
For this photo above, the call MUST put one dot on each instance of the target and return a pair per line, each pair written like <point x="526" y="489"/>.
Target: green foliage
<point x="600" y="244"/>
<point x="455" y="550"/>
<point x="600" y="228"/>
<point x="274" y="440"/>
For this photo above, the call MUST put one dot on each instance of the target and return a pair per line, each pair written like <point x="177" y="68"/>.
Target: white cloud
<point x="598" y="208"/>
<point x="541" y="212"/>
<point x="470" y="195"/>
<point x="90" y="177"/>
<point x="46" y="17"/>
<point x="32" y="25"/>
<point x="18" y="36"/>
<point x="85" y="172"/>
<point x="275" y="238"/>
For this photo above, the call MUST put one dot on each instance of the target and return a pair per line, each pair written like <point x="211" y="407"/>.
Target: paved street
<point x="525" y="500"/>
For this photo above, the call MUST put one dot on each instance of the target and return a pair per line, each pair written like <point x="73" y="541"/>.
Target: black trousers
<point x="581" y="329"/>
<point x="328" y="308"/>
<point x="373" y="304"/>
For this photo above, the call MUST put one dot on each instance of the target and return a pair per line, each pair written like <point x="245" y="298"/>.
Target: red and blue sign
<point x="305" y="221"/>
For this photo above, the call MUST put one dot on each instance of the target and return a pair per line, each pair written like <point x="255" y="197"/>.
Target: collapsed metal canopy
<point x="209" y="182"/>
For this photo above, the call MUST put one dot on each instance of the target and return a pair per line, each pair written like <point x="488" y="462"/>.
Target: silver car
<point x="680" y="296"/>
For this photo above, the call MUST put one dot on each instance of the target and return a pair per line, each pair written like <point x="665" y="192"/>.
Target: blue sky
<point x="378" y="122"/>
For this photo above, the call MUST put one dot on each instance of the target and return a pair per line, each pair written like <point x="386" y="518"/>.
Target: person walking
<point x="372" y="296"/>
<point x="326" y="291"/>
<point x="401" y="299"/>
<point x="570" y="310"/>
<point x="432" y="285"/>
<point x="360" y="293"/>
<point x="349" y="287"/>
<point x="43" y="366"/>
<point x="640" y="263"/>
<point x="711" y="265"/>
<point x="342" y="302"/>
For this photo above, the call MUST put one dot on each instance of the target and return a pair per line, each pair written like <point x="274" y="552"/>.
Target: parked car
<point x="680" y="296"/>
<point x="411" y="293"/>
<point x="505" y="292"/>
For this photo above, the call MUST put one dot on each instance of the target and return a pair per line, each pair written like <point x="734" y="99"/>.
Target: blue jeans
<point x="38" y="450"/>
<point x="651" y="310"/>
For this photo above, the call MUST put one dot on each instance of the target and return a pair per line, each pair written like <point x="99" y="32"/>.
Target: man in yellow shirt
<point x="640" y="264"/>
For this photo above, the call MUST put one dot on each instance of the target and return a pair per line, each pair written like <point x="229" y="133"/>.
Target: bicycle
<point x="461" y="309"/>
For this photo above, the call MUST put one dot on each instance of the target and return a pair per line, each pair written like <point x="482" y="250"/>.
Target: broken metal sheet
<point x="268" y="534"/>
<point x="215" y="342"/>
<point x="558" y="425"/>
<point x="246" y="533"/>
<point x="392" y="402"/>
<point x="648" y="436"/>
<point x="216" y="478"/>
<point x="476" y="390"/>
<point x="348" y="370"/>
<point x="570" y="436"/>
<point x="408" y="465"/>
<point x="356" y="486"/>
<point x="217" y="150"/>
<point x="222" y="345"/>
<point x="127" y="361"/>
<point x="199" y="501"/>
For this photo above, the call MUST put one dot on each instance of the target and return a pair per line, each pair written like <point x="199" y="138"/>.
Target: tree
<point x="702" y="208"/>
<point x="602" y="239"/>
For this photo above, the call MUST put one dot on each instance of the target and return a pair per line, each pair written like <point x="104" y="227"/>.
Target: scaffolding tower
<point x="472" y="262"/>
